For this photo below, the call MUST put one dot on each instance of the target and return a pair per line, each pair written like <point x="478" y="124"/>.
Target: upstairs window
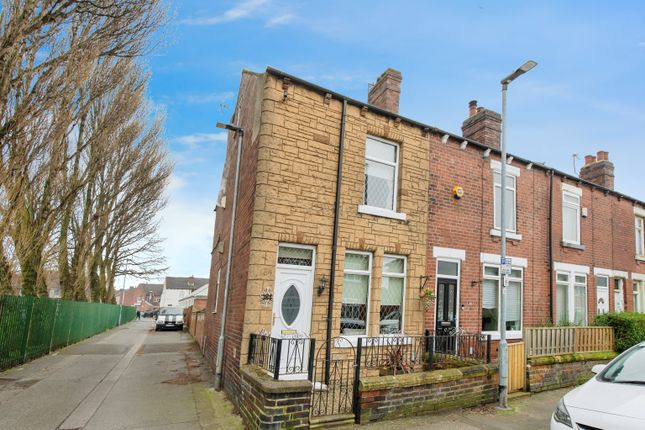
<point x="640" y="239"/>
<point x="570" y="217"/>
<point x="381" y="174"/>
<point x="509" y="204"/>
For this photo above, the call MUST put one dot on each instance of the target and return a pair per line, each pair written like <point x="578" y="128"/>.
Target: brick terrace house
<point x="381" y="221"/>
<point x="176" y="288"/>
<point x="145" y="297"/>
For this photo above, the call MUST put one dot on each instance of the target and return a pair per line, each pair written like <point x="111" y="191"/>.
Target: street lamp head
<point x="520" y="71"/>
<point x="230" y="127"/>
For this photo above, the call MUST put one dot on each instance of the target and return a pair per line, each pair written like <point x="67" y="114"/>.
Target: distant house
<point x="176" y="288"/>
<point x="197" y="299"/>
<point x="144" y="296"/>
<point x="52" y="281"/>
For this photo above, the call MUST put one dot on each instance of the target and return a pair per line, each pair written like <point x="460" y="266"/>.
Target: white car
<point x="170" y="318"/>
<point x="614" y="399"/>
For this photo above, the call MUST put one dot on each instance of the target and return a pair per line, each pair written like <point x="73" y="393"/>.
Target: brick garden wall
<point x="564" y="370"/>
<point x="389" y="397"/>
<point x="269" y="404"/>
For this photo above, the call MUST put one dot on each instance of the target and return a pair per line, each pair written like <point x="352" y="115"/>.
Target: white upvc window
<point x="619" y="295"/>
<point x="392" y="295"/>
<point x="571" y="217"/>
<point x="571" y="298"/>
<point x="354" y="310"/>
<point x="491" y="298"/>
<point x="639" y="296"/>
<point x="602" y="294"/>
<point x="640" y="237"/>
<point x="510" y="205"/>
<point x="381" y="174"/>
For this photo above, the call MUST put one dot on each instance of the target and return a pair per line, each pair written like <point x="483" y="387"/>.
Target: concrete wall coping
<point x="570" y="358"/>
<point x="408" y="380"/>
<point x="264" y="382"/>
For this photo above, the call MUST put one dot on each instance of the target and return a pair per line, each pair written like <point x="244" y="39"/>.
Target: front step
<point x="331" y="421"/>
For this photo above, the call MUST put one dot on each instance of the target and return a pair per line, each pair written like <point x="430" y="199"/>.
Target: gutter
<point x="380" y="111"/>
<point x="334" y="242"/>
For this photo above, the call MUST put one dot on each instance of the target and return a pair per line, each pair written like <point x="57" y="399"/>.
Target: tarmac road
<point x="130" y="377"/>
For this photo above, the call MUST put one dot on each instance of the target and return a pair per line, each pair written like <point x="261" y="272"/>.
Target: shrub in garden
<point x="629" y="328"/>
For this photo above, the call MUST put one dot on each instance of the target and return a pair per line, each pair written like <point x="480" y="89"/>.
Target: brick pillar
<point x="386" y="92"/>
<point x="599" y="170"/>
<point x="483" y="125"/>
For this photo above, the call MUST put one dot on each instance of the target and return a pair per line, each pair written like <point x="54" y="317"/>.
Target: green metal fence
<point x="31" y="327"/>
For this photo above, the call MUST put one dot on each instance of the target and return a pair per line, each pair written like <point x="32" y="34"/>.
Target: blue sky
<point x="586" y="94"/>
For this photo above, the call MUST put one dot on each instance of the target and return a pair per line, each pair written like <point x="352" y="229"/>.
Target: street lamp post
<point x="504" y="265"/>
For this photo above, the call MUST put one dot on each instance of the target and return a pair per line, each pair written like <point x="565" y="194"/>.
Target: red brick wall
<point x="249" y="87"/>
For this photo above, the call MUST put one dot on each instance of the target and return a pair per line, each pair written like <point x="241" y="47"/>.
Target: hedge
<point x="629" y="328"/>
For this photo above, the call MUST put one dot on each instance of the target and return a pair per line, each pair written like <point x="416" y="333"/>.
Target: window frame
<point x="395" y="164"/>
<point x="571" y="295"/>
<point x="457" y="278"/>
<point x="497" y="222"/>
<point x="606" y="277"/>
<point x="639" y="232"/>
<point x="352" y="337"/>
<point x="498" y="278"/>
<point x="578" y="208"/>
<point x="394" y="275"/>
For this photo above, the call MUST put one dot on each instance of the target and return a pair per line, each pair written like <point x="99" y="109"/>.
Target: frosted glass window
<point x="392" y="293"/>
<point x="356" y="284"/>
<point x="640" y="240"/>
<point x="570" y="217"/>
<point x="509" y="204"/>
<point x="381" y="173"/>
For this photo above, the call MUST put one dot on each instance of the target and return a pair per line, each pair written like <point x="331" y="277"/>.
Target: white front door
<point x="602" y="299"/>
<point x="292" y="308"/>
<point x="619" y="303"/>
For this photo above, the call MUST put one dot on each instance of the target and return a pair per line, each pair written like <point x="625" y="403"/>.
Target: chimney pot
<point x="590" y="159"/>
<point x="386" y="92"/>
<point x="472" y="108"/>
<point x="599" y="170"/>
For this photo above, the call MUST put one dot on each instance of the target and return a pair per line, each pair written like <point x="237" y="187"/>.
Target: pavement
<point x="528" y="412"/>
<point x="130" y="377"/>
<point x="133" y="378"/>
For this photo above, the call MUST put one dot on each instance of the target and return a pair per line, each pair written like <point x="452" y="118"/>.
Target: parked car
<point x="170" y="318"/>
<point x="613" y="399"/>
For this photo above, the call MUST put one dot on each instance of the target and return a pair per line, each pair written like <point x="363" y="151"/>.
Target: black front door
<point x="446" y="323"/>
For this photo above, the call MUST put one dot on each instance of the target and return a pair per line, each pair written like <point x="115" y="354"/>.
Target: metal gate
<point x="333" y="388"/>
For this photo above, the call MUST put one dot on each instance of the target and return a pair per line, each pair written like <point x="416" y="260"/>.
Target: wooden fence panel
<point x="565" y="340"/>
<point x="516" y="367"/>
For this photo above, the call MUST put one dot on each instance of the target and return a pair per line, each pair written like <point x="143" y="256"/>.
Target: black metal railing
<point x="405" y="354"/>
<point x="288" y="356"/>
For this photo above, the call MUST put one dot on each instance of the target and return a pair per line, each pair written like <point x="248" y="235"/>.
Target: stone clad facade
<point x="443" y="211"/>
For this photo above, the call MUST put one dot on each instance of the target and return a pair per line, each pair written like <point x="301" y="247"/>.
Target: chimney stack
<point x="599" y="170"/>
<point x="386" y="92"/>
<point x="482" y="125"/>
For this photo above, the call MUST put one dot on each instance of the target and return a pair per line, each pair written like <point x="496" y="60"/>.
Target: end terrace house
<point x="347" y="213"/>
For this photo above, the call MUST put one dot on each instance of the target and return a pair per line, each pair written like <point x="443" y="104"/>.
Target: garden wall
<point x="564" y="370"/>
<point x="269" y="404"/>
<point x="389" y="397"/>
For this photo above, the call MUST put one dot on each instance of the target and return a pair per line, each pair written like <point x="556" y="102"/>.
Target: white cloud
<point x="192" y="140"/>
<point x="281" y="19"/>
<point x="209" y="98"/>
<point x="243" y="10"/>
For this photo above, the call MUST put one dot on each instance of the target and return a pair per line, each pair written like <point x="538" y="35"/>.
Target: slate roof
<point x="155" y="289"/>
<point x="184" y="283"/>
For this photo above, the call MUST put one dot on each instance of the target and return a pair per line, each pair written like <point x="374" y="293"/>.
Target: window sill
<point x="385" y="213"/>
<point x="572" y="245"/>
<point x="514" y="334"/>
<point x="509" y="234"/>
<point x="640" y="258"/>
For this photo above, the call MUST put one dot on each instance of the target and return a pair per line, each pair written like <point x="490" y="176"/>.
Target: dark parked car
<point x="171" y="318"/>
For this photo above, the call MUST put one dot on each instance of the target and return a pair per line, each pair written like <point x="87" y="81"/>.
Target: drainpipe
<point x="551" y="246"/>
<point x="220" y="342"/>
<point x="334" y="242"/>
